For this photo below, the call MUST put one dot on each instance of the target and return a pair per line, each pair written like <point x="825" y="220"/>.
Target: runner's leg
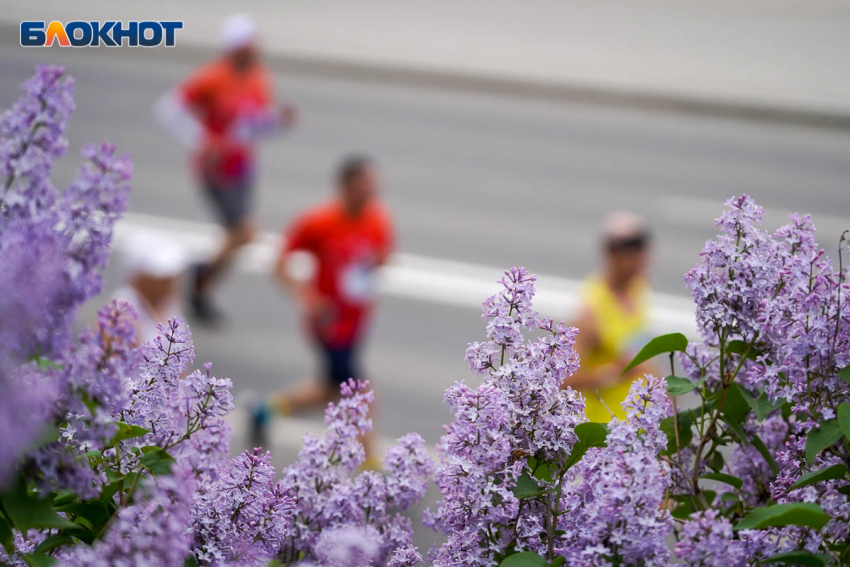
<point x="232" y="206"/>
<point x="235" y="238"/>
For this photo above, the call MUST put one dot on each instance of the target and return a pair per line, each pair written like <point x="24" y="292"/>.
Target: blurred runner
<point x="613" y="318"/>
<point x="220" y="112"/>
<point x="154" y="269"/>
<point x="348" y="237"/>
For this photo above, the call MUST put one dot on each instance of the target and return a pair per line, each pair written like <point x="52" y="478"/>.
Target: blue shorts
<point x="232" y="204"/>
<point x="339" y="363"/>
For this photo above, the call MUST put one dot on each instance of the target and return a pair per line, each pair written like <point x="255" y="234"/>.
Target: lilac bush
<point x="113" y="453"/>
<point x="343" y="519"/>
<point x="52" y="246"/>
<point x="118" y="453"/>
<point x="772" y="380"/>
<point x="522" y="472"/>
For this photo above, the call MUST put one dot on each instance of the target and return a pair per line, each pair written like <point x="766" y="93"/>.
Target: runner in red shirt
<point x="220" y="112"/>
<point x="349" y="237"/>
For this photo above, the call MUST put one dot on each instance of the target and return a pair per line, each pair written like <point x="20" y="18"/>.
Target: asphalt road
<point x="469" y="177"/>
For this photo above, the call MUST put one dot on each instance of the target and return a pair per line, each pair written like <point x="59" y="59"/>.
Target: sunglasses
<point x="630" y="243"/>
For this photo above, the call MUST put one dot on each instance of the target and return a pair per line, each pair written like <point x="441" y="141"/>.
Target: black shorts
<point x="339" y="363"/>
<point x="232" y="203"/>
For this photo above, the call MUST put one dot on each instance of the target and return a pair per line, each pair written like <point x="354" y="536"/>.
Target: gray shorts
<point x="232" y="203"/>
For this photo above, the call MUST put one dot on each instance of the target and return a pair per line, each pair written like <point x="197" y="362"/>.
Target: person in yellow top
<point x="613" y="318"/>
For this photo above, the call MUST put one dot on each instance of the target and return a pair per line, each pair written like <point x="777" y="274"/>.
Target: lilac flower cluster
<point x="348" y="520"/>
<point x="781" y="295"/>
<point x="775" y="320"/>
<point x="613" y="508"/>
<point x="243" y="516"/>
<point x="140" y="453"/>
<point x="407" y="556"/>
<point x="153" y="531"/>
<point x="519" y="412"/>
<point x="52" y="247"/>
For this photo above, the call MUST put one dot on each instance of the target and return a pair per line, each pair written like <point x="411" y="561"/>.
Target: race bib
<point x="358" y="282"/>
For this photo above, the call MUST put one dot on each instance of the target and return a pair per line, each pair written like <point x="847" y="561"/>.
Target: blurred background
<point x="504" y="132"/>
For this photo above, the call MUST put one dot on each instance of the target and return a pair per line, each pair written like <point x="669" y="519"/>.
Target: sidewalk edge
<point x="598" y="95"/>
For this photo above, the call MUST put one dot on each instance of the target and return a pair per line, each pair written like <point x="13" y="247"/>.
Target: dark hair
<point x="351" y="167"/>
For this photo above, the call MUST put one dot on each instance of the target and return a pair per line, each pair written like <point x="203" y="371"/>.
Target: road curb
<point x="559" y="92"/>
<point x="582" y="93"/>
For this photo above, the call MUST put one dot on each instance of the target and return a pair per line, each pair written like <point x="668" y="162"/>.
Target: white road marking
<point x="408" y="276"/>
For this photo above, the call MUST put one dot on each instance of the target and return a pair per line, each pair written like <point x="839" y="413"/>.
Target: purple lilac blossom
<point x="518" y="411"/>
<point x="241" y="518"/>
<point x="407" y="556"/>
<point x="21" y="545"/>
<point x="52" y="248"/>
<point x="780" y="294"/>
<point x="613" y="508"/>
<point x="348" y="546"/>
<point x="152" y="531"/>
<point x="328" y="497"/>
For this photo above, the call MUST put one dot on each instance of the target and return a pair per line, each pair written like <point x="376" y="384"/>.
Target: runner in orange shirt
<point x="220" y="112"/>
<point x="348" y="237"/>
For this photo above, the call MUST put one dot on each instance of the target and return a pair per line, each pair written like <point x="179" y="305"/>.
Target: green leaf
<point x="156" y="460"/>
<point x="38" y="560"/>
<point x="829" y="473"/>
<point x="94" y="511"/>
<point x="788" y="514"/>
<point x="685" y="432"/>
<point x="827" y="435"/>
<point x="524" y="559"/>
<point x="590" y="434"/>
<point x="844" y="374"/>
<point x="6" y="534"/>
<point x="715" y="462"/>
<point x="558" y="561"/>
<point x="686" y="504"/>
<point x="526" y="487"/>
<point x="736" y="429"/>
<point x="674" y="342"/>
<point x="683" y="511"/>
<point x="735" y="405"/>
<point x="46" y="364"/>
<point x="542" y="471"/>
<point x="765" y="453"/>
<point x="844" y="418"/>
<point x="760" y="405"/>
<point x="126" y="431"/>
<point x="725" y="478"/>
<point x="27" y="511"/>
<point x="190" y="561"/>
<point x="53" y="542"/>
<point x="48" y="434"/>
<point x="677" y="385"/>
<point x="111" y="489"/>
<point x="797" y="558"/>
<point x="741" y="347"/>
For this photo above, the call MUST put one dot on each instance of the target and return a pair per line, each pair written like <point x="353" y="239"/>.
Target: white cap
<point x="622" y="224"/>
<point x="154" y="255"/>
<point x="238" y="30"/>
